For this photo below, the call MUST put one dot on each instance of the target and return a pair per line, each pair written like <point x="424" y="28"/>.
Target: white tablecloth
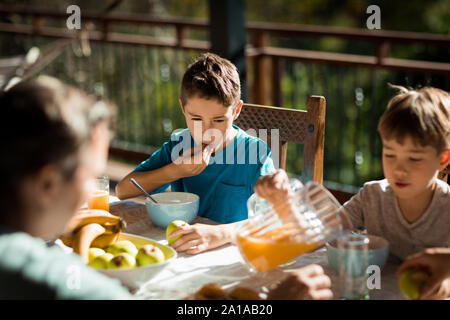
<point x="224" y="265"/>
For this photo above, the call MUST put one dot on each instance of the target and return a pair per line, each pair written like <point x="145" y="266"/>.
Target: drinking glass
<point x="353" y="262"/>
<point x="99" y="195"/>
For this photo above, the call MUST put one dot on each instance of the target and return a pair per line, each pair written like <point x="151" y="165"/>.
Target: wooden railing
<point x="265" y="60"/>
<point x="99" y="27"/>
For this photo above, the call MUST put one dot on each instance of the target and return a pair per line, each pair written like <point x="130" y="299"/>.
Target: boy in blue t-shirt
<point x="212" y="157"/>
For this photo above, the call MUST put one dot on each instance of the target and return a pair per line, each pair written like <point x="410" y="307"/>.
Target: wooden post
<point x="38" y="24"/>
<point x="283" y="154"/>
<point x="181" y="35"/>
<point x="260" y="68"/>
<point x="105" y="29"/>
<point x="382" y="51"/>
<point x="316" y="110"/>
<point x="277" y="73"/>
<point x="228" y="34"/>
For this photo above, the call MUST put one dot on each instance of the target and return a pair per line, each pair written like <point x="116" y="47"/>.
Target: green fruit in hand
<point x="411" y="281"/>
<point x="94" y="253"/>
<point x="149" y="254"/>
<point x="172" y="227"/>
<point x="122" y="261"/>
<point x="101" y="262"/>
<point x="123" y="246"/>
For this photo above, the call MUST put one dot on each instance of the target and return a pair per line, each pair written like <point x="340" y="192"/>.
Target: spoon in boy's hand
<point x="143" y="190"/>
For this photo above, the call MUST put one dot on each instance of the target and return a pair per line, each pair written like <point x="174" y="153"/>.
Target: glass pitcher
<point x="270" y="238"/>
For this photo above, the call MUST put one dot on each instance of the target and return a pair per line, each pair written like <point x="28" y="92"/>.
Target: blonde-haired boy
<point x="410" y="207"/>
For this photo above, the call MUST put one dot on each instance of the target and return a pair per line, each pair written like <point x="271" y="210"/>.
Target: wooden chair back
<point x="444" y="174"/>
<point x="288" y="125"/>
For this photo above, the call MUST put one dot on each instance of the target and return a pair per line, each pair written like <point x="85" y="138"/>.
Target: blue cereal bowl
<point x="378" y="252"/>
<point x="172" y="206"/>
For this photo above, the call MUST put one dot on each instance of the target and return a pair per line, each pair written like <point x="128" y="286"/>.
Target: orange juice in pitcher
<point x="266" y="254"/>
<point x="269" y="239"/>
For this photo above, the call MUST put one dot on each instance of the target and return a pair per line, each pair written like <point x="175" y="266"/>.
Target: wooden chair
<point x="444" y="174"/>
<point x="297" y="126"/>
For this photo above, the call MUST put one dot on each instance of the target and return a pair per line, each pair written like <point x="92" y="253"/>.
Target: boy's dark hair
<point x="211" y="77"/>
<point x="43" y="122"/>
<point x="423" y="115"/>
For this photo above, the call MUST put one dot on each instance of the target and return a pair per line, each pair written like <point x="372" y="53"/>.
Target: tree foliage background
<point x="144" y="83"/>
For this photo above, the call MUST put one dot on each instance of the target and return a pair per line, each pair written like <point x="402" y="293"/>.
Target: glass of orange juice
<point x="269" y="239"/>
<point x="99" y="195"/>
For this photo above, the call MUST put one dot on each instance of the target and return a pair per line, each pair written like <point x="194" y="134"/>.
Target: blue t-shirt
<point x="226" y="183"/>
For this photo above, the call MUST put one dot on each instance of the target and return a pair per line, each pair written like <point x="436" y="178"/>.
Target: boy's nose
<point x="206" y="125"/>
<point x="400" y="170"/>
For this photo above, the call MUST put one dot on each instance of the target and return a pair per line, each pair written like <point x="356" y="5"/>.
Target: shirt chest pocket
<point x="230" y="203"/>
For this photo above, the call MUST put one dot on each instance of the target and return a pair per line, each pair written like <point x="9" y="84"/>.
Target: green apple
<point x="123" y="246"/>
<point x="94" y="253"/>
<point x="411" y="281"/>
<point x="122" y="261"/>
<point x="149" y="254"/>
<point x="101" y="262"/>
<point x="172" y="227"/>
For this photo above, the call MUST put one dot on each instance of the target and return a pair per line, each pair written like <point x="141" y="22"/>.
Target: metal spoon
<point x="143" y="191"/>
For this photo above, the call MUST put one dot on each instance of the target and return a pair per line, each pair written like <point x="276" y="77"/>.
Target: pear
<point x="411" y="281"/>
<point x="122" y="261"/>
<point x="94" y="253"/>
<point x="123" y="246"/>
<point x="101" y="262"/>
<point x="149" y="254"/>
<point x="172" y="227"/>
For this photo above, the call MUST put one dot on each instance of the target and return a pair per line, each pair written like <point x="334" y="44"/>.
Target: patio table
<point x="224" y="265"/>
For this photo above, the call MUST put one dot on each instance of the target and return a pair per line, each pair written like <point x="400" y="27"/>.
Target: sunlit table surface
<point x="224" y="265"/>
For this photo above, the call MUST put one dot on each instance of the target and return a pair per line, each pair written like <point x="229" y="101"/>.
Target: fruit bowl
<point x="135" y="277"/>
<point x="378" y="252"/>
<point x="172" y="206"/>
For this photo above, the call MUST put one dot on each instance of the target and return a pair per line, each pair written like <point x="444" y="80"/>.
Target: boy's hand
<point x="308" y="283"/>
<point x="274" y="187"/>
<point x="193" y="161"/>
<point x="435" y="261"/>
<point x="200" y="237"/>
<point x="277" y="190"/>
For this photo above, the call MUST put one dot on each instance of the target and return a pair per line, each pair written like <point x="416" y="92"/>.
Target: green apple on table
<point x="101" y="262"/>
<point x="94" y="253"/>
<point x="174" y="225"/>
<point x="123" y="246"/>
<point x="411" y="281"/>
<point x="122" y="261"/>
<point x="149" y="254"/>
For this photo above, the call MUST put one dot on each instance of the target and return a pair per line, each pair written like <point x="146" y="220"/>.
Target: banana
<point x="75" y="229"/>
<point x="101" y="241"/>
<point x="67" y="240"/>
<point x="101" y="217"/>
<point x="105" y="240"/>
<point x="83" y="238"/>
<point x="110" y="235"/>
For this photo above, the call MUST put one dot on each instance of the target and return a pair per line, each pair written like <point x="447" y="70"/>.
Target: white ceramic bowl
<point x="136" y="277"/>
<point x="172" y="206"/>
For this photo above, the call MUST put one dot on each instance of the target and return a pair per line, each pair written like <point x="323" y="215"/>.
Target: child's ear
<point x="238" y="109"/>
<point x="47" y="184"/>
<point x="445" y="160"/>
